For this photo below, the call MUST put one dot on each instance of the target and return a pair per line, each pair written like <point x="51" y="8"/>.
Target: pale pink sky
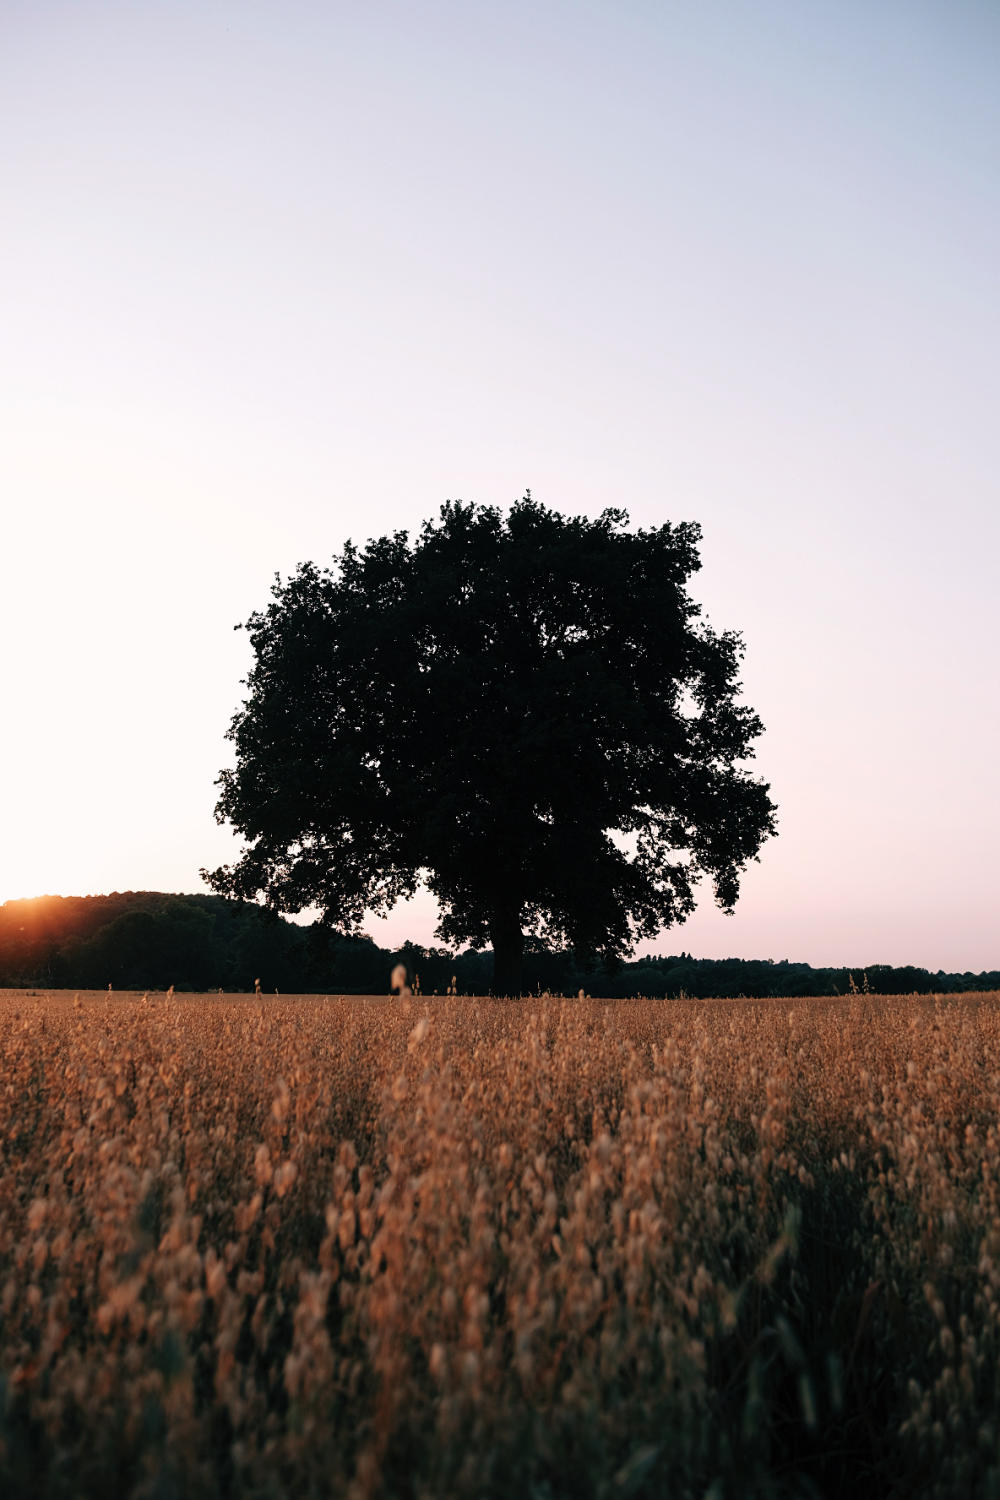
<point x="274" y="276"/>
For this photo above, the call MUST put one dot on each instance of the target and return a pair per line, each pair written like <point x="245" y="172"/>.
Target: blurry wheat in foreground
<point x="334" y="1247"/>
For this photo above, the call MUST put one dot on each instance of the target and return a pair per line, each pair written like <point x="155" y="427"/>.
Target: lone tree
<point x="526" y="713"/>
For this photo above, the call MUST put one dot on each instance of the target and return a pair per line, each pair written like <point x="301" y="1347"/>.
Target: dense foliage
<point x="144" y="940"/>
<point x="151" y="939"/>
<point x="492" y="1249"/>
<point x="526" y="712"/>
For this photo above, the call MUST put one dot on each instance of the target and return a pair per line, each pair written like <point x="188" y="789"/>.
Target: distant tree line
<point x="139" y="940"/>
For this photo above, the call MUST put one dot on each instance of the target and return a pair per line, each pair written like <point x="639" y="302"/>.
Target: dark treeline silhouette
<point x="149" y="940"/>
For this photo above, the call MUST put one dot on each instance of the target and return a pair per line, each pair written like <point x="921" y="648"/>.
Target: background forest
<point x="152" y="939"/>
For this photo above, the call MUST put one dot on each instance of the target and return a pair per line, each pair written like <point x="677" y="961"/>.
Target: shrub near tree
<point x="526" y="712"/>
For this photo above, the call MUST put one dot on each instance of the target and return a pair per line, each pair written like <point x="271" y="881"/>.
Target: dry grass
<point x="321" y="1246"/>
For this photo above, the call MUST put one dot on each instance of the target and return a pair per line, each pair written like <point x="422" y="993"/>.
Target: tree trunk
<point x="508" y="950"/>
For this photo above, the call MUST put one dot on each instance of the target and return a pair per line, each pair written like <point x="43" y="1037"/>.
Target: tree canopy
<point x="526" y="711"/>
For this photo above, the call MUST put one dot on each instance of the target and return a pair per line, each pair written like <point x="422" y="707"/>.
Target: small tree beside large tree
<point x="525" y="712"/>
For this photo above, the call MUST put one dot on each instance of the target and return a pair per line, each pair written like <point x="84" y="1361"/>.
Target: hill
<point x="152" y="939"/>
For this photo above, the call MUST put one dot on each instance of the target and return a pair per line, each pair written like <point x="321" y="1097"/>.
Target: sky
<point x="277" y="275"/>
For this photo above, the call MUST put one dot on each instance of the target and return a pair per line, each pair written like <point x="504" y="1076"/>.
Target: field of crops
<point x="316" y="1246"/>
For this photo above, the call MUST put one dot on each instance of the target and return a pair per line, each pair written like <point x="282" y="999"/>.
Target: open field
<point x="310" y="1246"/>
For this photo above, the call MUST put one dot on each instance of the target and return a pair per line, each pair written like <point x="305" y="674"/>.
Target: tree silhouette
<point x="525" y="712"/>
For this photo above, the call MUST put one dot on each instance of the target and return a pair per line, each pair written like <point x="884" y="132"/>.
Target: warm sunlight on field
<point x="462" y="1247"/>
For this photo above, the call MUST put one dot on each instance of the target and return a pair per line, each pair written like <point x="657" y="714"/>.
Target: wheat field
<point x="322" y="1246"/>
